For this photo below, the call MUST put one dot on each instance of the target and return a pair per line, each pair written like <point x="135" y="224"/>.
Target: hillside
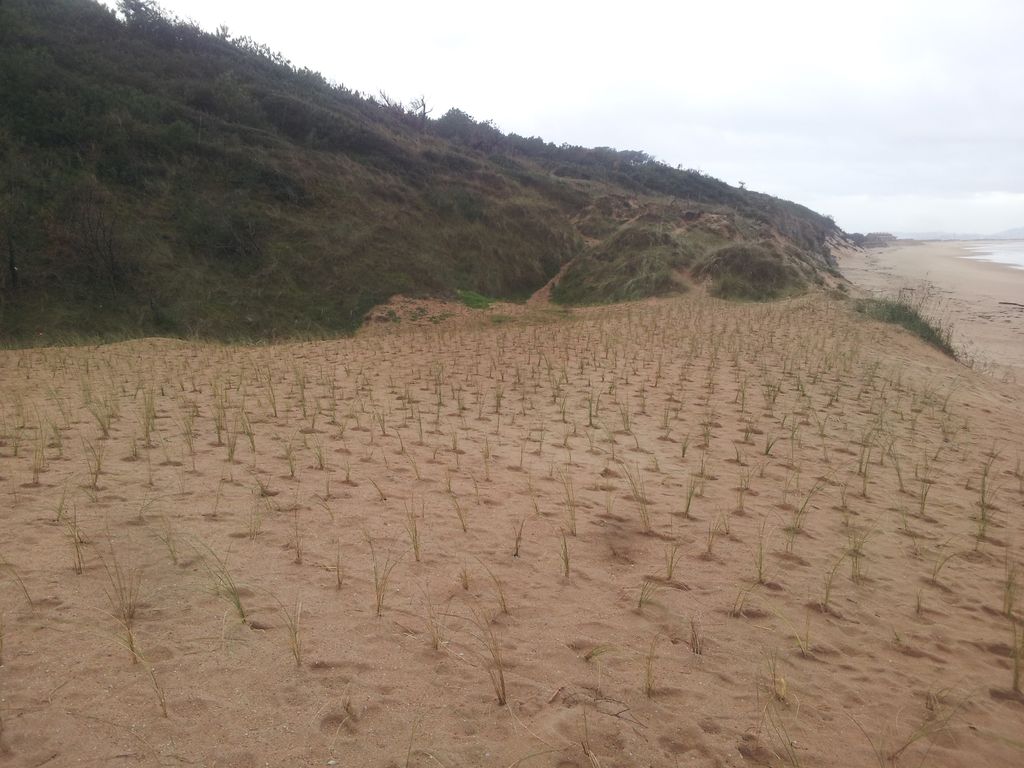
<point x="158" y="179"/>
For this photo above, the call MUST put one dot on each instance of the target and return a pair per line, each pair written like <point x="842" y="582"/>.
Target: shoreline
<point x="982" y="300"/>
<point x="997" y="252"/>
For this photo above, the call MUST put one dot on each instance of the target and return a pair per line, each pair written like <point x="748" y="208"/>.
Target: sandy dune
<point x="692" y="533"/>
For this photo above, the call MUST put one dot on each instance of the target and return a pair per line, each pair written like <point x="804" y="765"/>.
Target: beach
<point x="982" y="300"/>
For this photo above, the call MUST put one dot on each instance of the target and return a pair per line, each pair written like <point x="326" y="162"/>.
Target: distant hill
<point x="936" y="235"/>
<point x="1009" y="234"/>
<point x="1017" y="233"/>
<point x="872" y="239"/>
<point x="160" y="179"/>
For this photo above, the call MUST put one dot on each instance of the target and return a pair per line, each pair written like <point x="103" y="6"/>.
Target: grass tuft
<point x="910" y="313"/>
<point x="474" y="300"/>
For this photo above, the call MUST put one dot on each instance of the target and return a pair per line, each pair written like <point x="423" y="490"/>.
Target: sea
<point x="1008" y="252"/>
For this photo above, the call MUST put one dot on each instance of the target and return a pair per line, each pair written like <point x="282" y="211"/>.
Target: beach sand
<point x="983" y="301"/>
<point x="682" y="532"/>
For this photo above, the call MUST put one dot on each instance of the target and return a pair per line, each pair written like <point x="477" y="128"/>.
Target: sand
<point x="694" y="533"/>
<point x="982" y="301"/>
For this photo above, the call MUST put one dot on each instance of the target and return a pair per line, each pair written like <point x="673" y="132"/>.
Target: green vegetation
<point x="159" y="179"/>
<point x="752" y="273"/>
<point x="634" y="262"/>
<point x="474" y="300"/>
<point x="911" y="314"/>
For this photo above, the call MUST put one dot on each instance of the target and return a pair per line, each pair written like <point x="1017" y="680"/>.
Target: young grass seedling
<point x="715" y="527"/>
<point x="636" y="485"/>
<point x="517" y="530"/>
<point x="696" y="637"/>
<point x="856" y="539"/>
<point x="5" y="565"/>
<point x="570" y="501"/>
<point x="297" y="537"/>
<point x="691" y="491"/>
<point x="649" y="658"/>
<point x="74" y="533"/>
<point x="224" y="585"/>
<point x="739" y="604"/>
<point x="436" y="621"/>
<point x="648" y="589"/>
<point x="777" y="687"/>
<point x="460" y="513"/>
<point x="499" y="589"/>
<point x="672" y="556"/>
<point x="829" y="577"/>
<point x="412" y="528"/>
<point x="1017" y="652"/>
<point x="492" y="645"/>
<point x="803" y="641"/>
<point x="1009" y="586"/>
<point x="381" y="574"/>
<point x="564" y="554"/>
<point x="338" y="572"/>
<point x="122" y="590"/>
<point x="293" y="624"/>
<point x="940" y="561"/>
<point x="759" y="554"/>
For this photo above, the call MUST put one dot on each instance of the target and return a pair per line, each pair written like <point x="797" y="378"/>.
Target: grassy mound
<point x="635" y="262"/>
<point x="751" y="273"/>
<point x="911" y="315"/>
<point x="474" y="300"/>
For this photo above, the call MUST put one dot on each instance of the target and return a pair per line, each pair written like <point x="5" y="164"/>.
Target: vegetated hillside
<point x="160" y="179"/>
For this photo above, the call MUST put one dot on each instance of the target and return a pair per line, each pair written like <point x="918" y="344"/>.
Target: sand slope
<point x="982" y="301"/>
<point x="705" y="468"/>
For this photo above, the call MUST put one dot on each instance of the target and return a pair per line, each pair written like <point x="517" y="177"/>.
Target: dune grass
<point x="554" y="456"/>
<point x="911" y="314"/>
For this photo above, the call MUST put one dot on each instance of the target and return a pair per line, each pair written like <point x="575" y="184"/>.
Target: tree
<point x="389" y="103"/>
<point x="140" y="12"/>
<point x="458" y="126"/>
<point x="91" y="230"/>
<point x="418" y="107"/>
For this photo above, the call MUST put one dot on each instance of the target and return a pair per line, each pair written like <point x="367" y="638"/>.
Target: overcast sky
<point x="900" y="115"/>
